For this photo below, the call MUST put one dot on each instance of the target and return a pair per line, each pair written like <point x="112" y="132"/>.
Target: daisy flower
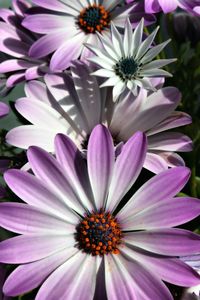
<point x="15" y="41"/>
<point x="127" y="61"/>
<point x="68" y="104"/>
<point x="67" y="25"/>
<point x="74" y="239"/>
<point x="154" y="6"/>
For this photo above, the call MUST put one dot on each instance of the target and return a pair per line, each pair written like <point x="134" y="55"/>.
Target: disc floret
<point x="94" y="18"/>
<point x="126" y="68"/>
<point x="99" y="233"/>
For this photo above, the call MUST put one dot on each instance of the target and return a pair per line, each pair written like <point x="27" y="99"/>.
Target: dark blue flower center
<point x="126" y="68"/>
<point x="99" y="234"/>
<point x="93" y="18"/>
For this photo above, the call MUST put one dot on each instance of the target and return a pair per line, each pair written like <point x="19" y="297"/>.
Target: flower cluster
<point x="96" y="112"/>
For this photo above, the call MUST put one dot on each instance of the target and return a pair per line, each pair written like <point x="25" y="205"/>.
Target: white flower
<point x="127" y="61"/>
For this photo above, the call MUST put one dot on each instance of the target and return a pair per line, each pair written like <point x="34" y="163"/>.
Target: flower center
<point x="93" y="18"/>
<point x="99" y="233"/>
<point x="126" y="68"/>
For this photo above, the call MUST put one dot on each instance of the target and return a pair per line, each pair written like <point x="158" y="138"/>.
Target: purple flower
<point x="70" y="105"/>
<point x="67" y="25"/>
<point x="16" y="41"/>
<point x="72" y="237"/>
<point x="167" y="6"/>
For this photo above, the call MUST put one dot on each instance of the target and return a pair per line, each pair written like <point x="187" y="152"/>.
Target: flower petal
<point x="100" y="158"/>
<point x="29" y="276"/>
<point x="76" y="279"/>
<point x="131" y="280"/>
<point x="35" y="192"/>
<point x="127" y="168"/>
<point x="169" y="269"/>
<point x="75" y="168"/>
<point x="168" y="213"/>
<point x="70" y="50"/>
<point x="170" y="141"/>
<point x="161" y="187"/>
<point x="26" y="219"/>
<point x="29" y="248"/>
<point x="171" y="242"/>
<point x="27" y="135"/>
<point x="46" y="167"/>
<point x="155" y="163"/>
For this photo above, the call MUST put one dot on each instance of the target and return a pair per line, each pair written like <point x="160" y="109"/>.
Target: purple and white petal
<point x="171" y="242"/>
<point x="125" y="174"/>
<point x="100" y="156"/>
<point x="29" y="276"/>
<point x="159" y="188"/>
<point x="74" y="279"/>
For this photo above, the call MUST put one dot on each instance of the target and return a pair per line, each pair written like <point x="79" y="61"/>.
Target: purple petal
<point x="20" y="7"/>
<point x="41" y="114"/>
<point x="33" y="73"/>
<point x="4" y="109"/>
<point x="75" y="168"/>
<point x="127" y="168"/>
<point x="68" y="52"/>
<point x="172" y="159"/>
<point x="50" y="171"/>
<point x="47" y="44"/>
<point x="15" y="79"/>
<point x="76" y="279"/>
<point x="100" y="158"/>
<point x="12" y="65"/>
<point x="169" y="269"/>
<point x="128" y="279"/>
<point x="151" y="112"/>
<point x="152" y="6"/>
<point x="48" y="23"/>
<point x="27" y="135"/>
<point x="53" y="5"/>
<point x="35" y="192"/>
<point x="161" y="187"/>
<point x="155" y="163"/>
<point x="176" y="119"/>
<point x="168" y="213"/>
<point x="26" y="219"/>
<point x="168" y="6"/>
<point x="29" y="276"/>
<point x="37" y="91"/>
<point x="171" y="242"/>
<point x="28" y="248"/>
<point x="170" y="141"/>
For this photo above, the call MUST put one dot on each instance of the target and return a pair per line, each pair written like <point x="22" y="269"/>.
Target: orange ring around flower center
<point x="94" y="18"/>
<point x="99" y="233"/>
